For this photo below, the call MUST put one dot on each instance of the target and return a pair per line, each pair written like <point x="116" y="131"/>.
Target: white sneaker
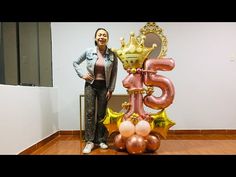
<point x="88" y="148"/>
<point x="103" y="146"/>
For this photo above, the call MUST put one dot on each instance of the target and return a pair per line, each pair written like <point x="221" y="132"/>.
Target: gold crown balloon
<point x="133" y="54"/>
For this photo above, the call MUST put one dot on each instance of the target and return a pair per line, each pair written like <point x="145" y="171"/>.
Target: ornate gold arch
<point x="154" y="29"/>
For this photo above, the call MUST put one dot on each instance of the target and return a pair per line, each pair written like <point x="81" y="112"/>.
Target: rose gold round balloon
<point x="119" y="142"/>
<point x="135" y="144"/>
<point x="152" y="142"/>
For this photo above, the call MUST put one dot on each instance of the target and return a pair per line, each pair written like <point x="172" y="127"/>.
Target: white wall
<point x="204" y="76"/>
<point x="28" y="115"/>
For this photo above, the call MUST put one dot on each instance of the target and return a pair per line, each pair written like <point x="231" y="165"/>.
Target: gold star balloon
<point x="161" y="123"/>
<point x="133" y="54"/>
<point x="112" y="120"/>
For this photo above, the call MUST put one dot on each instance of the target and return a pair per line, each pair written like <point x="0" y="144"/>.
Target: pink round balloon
<point x="126" y="128"/>
<point x="142" y="128"/>
<point x="135" y="144"/>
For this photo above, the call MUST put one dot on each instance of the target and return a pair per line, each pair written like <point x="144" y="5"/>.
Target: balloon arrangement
<point x="138" y="130"/>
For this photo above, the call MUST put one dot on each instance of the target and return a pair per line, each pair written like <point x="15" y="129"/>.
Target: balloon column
<point x="138" y="130"/>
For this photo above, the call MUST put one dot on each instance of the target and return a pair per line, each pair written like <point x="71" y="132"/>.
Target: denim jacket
<point x="90" y="56"/>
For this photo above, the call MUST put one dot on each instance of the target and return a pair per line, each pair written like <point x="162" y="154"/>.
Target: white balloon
<point x="126" y="128"/>
<point x="142" y="128"/>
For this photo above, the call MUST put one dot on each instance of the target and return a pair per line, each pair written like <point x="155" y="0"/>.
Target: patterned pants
<point x="95" y="111"/>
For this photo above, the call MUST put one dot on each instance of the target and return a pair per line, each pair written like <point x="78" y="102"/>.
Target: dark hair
<point x="97" y="32"/>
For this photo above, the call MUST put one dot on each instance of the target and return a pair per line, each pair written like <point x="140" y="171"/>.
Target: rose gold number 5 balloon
<point x="156" y="80"/>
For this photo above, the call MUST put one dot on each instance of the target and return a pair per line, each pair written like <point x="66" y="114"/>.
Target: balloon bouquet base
<point x="136" y="137"/>
<point x="136" y="130"/>
<point x="137" y="144"/>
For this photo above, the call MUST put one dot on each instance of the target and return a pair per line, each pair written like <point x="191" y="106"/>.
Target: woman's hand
<point x="109" y="94"/>
<point x="88" y="76"/>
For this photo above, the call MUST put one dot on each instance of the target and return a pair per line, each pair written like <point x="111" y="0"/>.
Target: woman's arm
<point x="76" y="65"/>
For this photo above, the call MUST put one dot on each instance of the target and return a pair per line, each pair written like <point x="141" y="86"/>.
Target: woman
<point x="100" y="80"/>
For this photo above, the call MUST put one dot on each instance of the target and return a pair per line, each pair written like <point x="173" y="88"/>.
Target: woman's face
<point x="101" y="38"/>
